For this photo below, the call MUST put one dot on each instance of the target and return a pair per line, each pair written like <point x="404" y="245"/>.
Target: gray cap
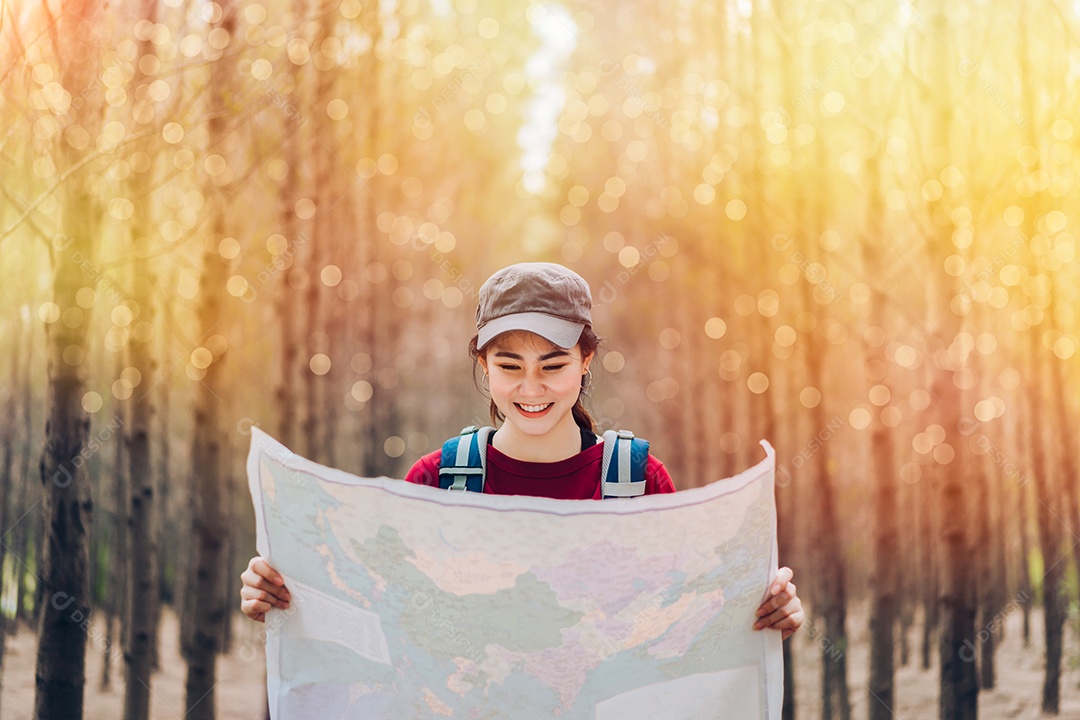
<point x="542" y="297"/>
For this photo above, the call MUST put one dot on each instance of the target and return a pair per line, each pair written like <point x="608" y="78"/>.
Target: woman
<point x="535" y="343"/>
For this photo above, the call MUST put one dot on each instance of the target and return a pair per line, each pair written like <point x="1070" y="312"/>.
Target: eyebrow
<point x="548" y="356"/>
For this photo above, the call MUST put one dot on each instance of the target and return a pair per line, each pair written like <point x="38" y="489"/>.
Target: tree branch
<point x="75" y="168"/>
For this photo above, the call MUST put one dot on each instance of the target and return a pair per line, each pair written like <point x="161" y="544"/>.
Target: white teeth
<point x="533" y="408"/>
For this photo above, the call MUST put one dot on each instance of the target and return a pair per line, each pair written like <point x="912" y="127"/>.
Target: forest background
<point x="844" y="227"/>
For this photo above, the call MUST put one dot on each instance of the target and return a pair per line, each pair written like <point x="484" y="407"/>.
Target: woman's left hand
<point x="783" y="609"/>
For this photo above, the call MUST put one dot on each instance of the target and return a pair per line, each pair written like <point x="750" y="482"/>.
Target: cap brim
<point x="562" y="333"/>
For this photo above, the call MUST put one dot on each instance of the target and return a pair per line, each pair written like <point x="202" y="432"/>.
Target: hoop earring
<point x="486" y="383"/>
<point x="586" y="381"/>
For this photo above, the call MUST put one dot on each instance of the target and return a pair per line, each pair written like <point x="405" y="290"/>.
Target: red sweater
<point x="575" y="478"/>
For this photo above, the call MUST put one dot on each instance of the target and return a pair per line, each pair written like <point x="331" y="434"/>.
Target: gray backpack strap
<point x="622" y="473"/>
<point x="463" y="465"/>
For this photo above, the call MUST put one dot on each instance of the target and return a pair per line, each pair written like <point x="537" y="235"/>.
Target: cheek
<point x="496" y="386"/>
<point x="571" y="384"/>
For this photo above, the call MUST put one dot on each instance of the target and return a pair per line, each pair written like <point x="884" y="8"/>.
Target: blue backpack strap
<point x="464" y="460"/>
<point x="625" y="459"/>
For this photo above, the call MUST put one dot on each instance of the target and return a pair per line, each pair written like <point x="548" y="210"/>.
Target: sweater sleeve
<point x="425" y="471"/>
<point x="657" y="478"/>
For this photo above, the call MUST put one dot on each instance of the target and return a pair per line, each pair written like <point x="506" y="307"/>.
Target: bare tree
<point x="67" y="504"/>
<point x="116" y="592"/>
<point x="832" y="595"/>
<point x="8" y="432"/>
<point x="316" y="339"/>
<point x="884" y="582"/>
<point x="142" y="581"/>
<point x="1024" y="532"/>
<point x="25" y="531"/>
<point x="928" y="560"/>
<point x="959" y="686"/>
<point x="208" y="474"/>
<point x="169" y="529"/>
<point x="1046" y="489"/>
<point x="284" y="301"/>
<point x="989" y="565"/>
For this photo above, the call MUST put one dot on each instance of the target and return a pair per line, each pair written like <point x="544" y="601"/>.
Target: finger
<point x="255" y="580"/>
<point x="262" y="568"/>
<point x="259" y="605"/>
<point x="778" y="601"/>
<point x="792" y="621"/>
<point x="250" y="593"/>
<point x="254" y="609"/>
<point x="251" y="579"/>
<point x="774" y="603"/>
<point x="783" y="576"/>
<point x="797" y="620"/>
<point x="776" y="618"/>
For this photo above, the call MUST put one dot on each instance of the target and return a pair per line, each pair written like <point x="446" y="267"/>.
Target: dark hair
<point x="589" y="342"/>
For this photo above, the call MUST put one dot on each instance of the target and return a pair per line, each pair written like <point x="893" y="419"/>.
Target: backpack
<point x="463" y="465"/>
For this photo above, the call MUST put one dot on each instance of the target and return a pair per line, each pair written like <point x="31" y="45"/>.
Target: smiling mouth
<point x="533" y="409"/>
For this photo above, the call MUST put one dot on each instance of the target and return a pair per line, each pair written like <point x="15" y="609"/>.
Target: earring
<point x="586" y="381"/>
<point x="485" y="383"/>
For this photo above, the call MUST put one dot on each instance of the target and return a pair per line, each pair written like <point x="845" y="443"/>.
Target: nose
<point x="532" y="385"/>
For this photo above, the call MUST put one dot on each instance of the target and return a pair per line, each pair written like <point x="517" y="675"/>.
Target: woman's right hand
<point x="263" y="589"/>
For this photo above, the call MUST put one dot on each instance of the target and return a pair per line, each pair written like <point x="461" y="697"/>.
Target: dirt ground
<point x="240" y="689"/>
<point x="1019" y="674"/>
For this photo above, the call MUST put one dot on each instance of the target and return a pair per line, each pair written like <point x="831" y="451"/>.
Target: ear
<point x="483" y="362"/>
<point x="586" y="359"/>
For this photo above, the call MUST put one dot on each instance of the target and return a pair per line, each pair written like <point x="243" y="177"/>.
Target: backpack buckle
<point x="626" y="434"/>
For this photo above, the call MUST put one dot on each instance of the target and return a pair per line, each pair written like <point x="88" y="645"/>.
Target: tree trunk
<point x="986" y="584"/>
<point x="927" y="521"/>
<point x="1065" y="422"/>
<point x="140" y="543"/>
<point x="67" y="505"/>
<point x="332" y="313"/>
<point x="375" y="326"/>
<point x="1024" y="569"/>
<point x="1043" y="456"/>
<point x="26" y="486"/>
<point x="830" y="566"/>
<point x="884" y="582"/>
<point x="315" y="341"/>
<point x="168" y="532"/>
<point x="989" y="569"/>
<point x="283" y="263"/>
<point x="909" y="584"/>
<point x="24" y="533"/>
<point x="7" y="458"/>
<point x="1048" y="532"/>
<point x="951" y="470"/>
<point x="228" y="554"/>
<point x="116" y="593"/>
<point x="208" y="474"/>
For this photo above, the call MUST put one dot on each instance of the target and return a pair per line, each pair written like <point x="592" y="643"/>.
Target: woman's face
<point x="533" y="382"/>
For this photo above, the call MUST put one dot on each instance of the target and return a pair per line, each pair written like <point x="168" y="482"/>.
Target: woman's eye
<point x="508" y="367"/>
<point x="554" y="367"/>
